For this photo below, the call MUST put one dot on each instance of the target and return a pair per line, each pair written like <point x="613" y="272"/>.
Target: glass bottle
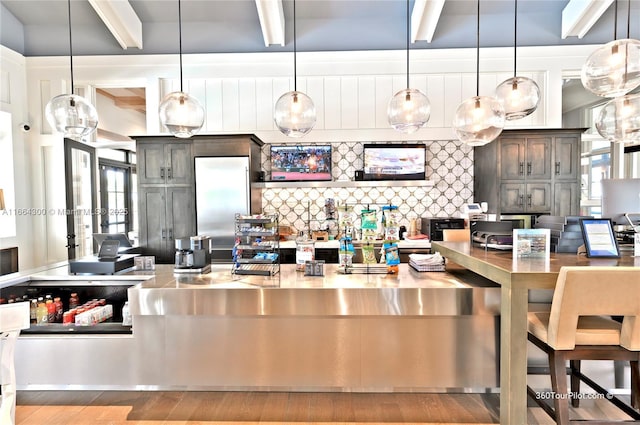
<point x="74" y="301"/>
<point x="42" y="313"/>
<point x="51" y="311"/>
<point x="59" y="309"/>
<point x="33" y="311"/>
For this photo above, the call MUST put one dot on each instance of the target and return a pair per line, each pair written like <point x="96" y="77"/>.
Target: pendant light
<point x="409" y="109"/>
<point x="294" y="112"/>
<point x="179" y="112"/>
<point x="519" y="95"/>
<point x="613" y="69"/>
<point x="70" y="114"/>
<point x="619" y="119"/>
<point x="479" y="119"/>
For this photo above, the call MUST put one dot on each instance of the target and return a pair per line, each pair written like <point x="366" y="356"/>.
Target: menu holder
<point x="531" y="243"/>
<point x="599" y="239"/>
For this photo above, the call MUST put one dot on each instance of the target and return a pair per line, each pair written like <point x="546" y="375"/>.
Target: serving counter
<point x="430" y="331"/>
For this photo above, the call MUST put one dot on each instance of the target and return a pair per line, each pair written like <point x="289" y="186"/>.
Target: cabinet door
<point x="512" y="164"/>
<point x="538" y="158"/>
<point x="178" y="163"/>
<point x="512" y="198"/>
<point x="538" y="197"/>
<point x="566" y="157"/>
<point x="181" y="220"/>
<point x="153" y="232"/>
<point x="152" y="167"/>
<point x="566" y="199"/>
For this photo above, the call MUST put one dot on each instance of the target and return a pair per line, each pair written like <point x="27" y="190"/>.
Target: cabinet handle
<point x="164" y="234"/>
<point x="521" y="169"/>
<point x="161" y="172"/>
<point x="521" y="197"/>
<point x="169" y="174"/>
<point x="529" y="199"/>
<point x="557" y="168"/>
<point x="528" y="168"/>
<point x="170" y="233"/>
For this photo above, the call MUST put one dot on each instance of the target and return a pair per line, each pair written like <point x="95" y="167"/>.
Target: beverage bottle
<point x="42" y="313"/>
<point x="74" y="301"/>
<point x="33" y="311"/>
<point x="59" y="309"/>
<point x="126" y="314"/>
<point x="51" y="311"/>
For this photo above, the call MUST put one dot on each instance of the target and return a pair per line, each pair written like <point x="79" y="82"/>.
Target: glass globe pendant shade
<point x="295" y="114"/>
<point x="408" y="110"/>
<point x="519" y="97"/>
<point x="613" y="69"/>
<point x="619" y="119"/>
<point x="479" y="120"/>
<point x="181" y="114"/>
<point x="72" y="115"/>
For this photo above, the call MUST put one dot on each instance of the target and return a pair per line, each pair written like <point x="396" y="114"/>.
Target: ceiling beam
<point x="271" y="15"/>
<point x="424" y="19"/>
<point x="120" y="18"/>
<point x="578" y="16"/>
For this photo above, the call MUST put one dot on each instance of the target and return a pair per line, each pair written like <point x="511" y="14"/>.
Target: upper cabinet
<point x="165" y="163"/>
<point x="521" y="171"/>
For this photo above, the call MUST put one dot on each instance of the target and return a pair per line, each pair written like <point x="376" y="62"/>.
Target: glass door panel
<point x="80" y="165"/>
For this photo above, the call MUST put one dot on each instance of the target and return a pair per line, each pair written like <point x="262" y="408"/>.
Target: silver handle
<point x="169" y="173"/>
<point x="521" y="172"/>
<point x="557" y="168"/>
<point x="161" y="172"/>
<point x="521" y="197"/>
<point x="170" y="233"/>
<point x="163" y="234"/>
<point x="528" y="168"/>
<point x="529" y="200"/>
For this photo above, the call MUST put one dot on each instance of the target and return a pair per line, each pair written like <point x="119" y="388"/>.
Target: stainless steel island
<point x="413" y="331"/>
<point x="430" y="331"/>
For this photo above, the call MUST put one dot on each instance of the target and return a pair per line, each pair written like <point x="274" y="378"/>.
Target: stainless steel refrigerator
<point x="222" y="191"/>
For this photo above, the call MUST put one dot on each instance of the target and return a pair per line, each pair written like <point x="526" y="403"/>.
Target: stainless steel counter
<point x="434" y="331"/>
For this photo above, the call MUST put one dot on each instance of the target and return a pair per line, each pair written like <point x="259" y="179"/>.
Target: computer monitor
<point x="620" y="197"/>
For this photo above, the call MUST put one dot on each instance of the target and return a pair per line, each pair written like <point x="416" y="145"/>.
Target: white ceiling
<point x="40" y="27"/>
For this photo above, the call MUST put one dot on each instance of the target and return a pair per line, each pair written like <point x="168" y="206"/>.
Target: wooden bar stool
<point x="579" y="327"/>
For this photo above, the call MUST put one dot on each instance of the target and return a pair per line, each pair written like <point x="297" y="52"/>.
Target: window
<point x="118" y="197"/>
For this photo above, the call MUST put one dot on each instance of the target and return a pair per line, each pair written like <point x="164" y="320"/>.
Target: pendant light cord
<point x="70" y="43"/>
<point x="408" y="44"/>
<point x="295" y="83"/>
<point x="478" y="51"/>
<point x="615" y="20"/>
<point x="515" y="38"/>
<point x="628" y="16"/>
<point x="180" y="39"/>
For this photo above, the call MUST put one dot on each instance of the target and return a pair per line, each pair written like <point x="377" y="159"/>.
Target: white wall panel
<point x="316" y="91"/>
<point x="436" y="95"/>
<point x="264" y="104"/>
<point x="332" y="103"/>
<point x="248" y="103"/>
<point x="488" y="83"/>
<point x="230" y="104"/>
<point x="349" y="102"/>
<point x="384" y="92"/>
<point x="366" y="102"/>
<point x="454" y="95"/>
<point x="213" y="121"/>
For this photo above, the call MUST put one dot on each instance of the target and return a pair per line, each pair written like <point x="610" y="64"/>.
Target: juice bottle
<point x="51" y="311"/>
<point x="59" y="309"/>
<point x="42" y="313"/>
<point x="33" y="311"/>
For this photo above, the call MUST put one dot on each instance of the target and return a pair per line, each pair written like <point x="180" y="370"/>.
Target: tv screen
<point x="394" y="162"/>
<point x="301" y="163"/>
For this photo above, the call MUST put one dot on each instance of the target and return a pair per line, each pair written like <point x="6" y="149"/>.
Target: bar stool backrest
<point x="456" y="235"/>
<point x="595" y="291"/>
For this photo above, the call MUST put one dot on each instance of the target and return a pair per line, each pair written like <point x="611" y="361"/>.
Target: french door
<point x="82" y="213"/>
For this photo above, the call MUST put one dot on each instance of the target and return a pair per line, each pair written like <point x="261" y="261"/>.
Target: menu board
<point x="531" y="243"/>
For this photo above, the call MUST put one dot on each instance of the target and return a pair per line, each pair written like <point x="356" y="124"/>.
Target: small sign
<point x="531" y="243"/>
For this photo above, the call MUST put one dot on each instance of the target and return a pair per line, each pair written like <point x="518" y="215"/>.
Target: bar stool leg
<point x="557" y="364"/>
<point x="574" y="365"/>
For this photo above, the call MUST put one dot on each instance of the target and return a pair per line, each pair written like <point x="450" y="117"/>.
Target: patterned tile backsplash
<point x="449" y="185"/>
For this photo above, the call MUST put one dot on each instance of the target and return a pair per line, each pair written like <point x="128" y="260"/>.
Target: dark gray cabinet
<point x="166" y="196"/>
<point x="530" y="171"/>
<point x="165" y="162"/>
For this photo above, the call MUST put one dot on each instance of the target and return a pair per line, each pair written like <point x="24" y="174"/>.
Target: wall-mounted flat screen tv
<point x="394" y="162"/>
<point x="301" y="163"/>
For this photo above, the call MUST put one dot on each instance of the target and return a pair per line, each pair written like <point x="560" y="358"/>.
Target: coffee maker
<point x="193" y="255"/>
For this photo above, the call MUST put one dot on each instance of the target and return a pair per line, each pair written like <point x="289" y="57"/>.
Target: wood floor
<point x="243" y="408"/>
